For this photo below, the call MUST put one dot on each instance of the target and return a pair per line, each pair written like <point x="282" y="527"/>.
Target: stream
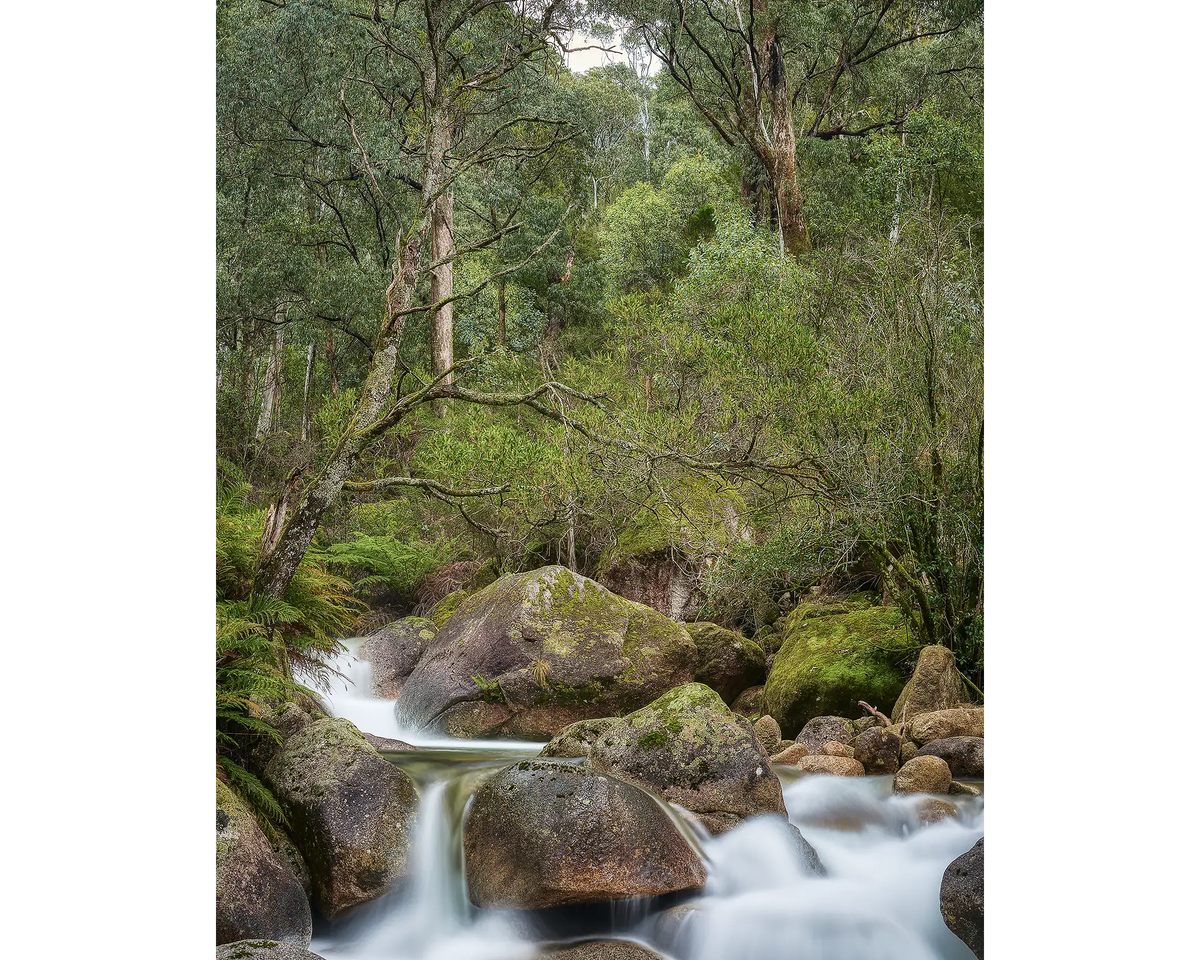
<point x="879" y="901"/>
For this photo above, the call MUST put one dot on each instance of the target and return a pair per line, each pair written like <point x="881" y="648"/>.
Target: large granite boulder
<point x="546" y="833"/>
<point x="660" y="553"/>
<point x="878" y="750"/>
<point x="831" y="658"/>
<point x="963" y="754"/>
<point x="935" y="685"/>
<point x="942" y="724"/>
<point x="726" y="661"/>
<point x="258" y="894"/>
<point x="962" y="898"/>
<point x="350" y="812"/>
<point x="534" y="652"/>
<point x="690" y="748"/>
<point x="264" y="950"/>
<point x="820" y="730"/>
<point x="923" y="775"/>
<point x="393" y="652"/>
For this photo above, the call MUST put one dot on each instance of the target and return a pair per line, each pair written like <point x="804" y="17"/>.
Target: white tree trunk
<point x="266" y="412"/>
<point x="308" y="373"/>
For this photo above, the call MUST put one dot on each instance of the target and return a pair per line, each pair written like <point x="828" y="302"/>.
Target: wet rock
<point x="963" y="754"/>
<point x="833" y="766"/>
<point x="908" y="750"/>
<point x="387" y="744"/>
<point x="690" y="748"/>
<point x="726" y="661"/>
<point x="264" y="950"/>
<point x="923" y="775"/>
<point x="534" y="652"/>
<point x="820" y="730"/>
<point x="767" y="731"/>
<point x="670" y="925"/>
<point x="575" y="740"/>
<point x="964" y="789"/>
<point x="933" y="810"/>
<point x="962" y="898"/>
<point x="935" y="685"/>
<point x="545" y="833"/>
<point x="258" y="895"/>
<point x="393" y="652"/>
<point x="960" y="722"/>
<point x="878" y="750"/>
<point x="807" y="852"/>
<point x="791" y="754"/>
<point x="604" y="950"/>
<point x="835" y="748"/>
<point x="350" y="810"/>
<point x="291" y="855"/>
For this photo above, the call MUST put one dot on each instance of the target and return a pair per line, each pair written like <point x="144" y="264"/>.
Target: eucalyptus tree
<point x="429" y="94"/>
<point x="767" y="73"/>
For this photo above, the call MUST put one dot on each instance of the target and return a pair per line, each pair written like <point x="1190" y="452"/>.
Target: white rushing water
<point x="878" y="901"/>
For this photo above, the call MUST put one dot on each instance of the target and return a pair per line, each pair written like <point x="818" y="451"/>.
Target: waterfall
<point x="878" y="901"/>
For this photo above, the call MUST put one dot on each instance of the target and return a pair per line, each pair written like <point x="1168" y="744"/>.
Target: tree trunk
<point x="308" y="375"/>
<point x="789" y="201"/>
<point x="501" y="314"/>
<point x="266" y="413"/>
<point x="329" y="359"/>
<point x="442" y="286"/>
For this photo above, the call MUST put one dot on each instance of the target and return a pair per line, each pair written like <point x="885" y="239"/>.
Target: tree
<point x="448" y="72"/>
<point x="748" y="65"/>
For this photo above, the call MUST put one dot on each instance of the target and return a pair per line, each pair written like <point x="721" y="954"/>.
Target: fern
<point x="263" y="644"/>
<point x="386" y="561"/>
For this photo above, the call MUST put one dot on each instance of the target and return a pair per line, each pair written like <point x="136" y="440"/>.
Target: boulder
<point x="393" y="652"/>
<point x="444" y="609"/>
<point x="923" y="775"/>
<point x="784" y="744"/>
<point x="835" y="748"/>
<point x="258" y="894"/>
<point x="388" y="745"/>
<point x="963" y="754"/>
<point x="546" y="833"/>
<point x="749" y="702"/>
<point x="791" y="754"/>
<point x="807" y="852"/>
<point x="878" y="750"/>
<point x="264" y="950"/>
<point x="658" y="555"/>
<point x="726" y="661"/>
<point x="820" y="730"/>
<point x="689" y="748"/>
<point x="935" y="685"/>
<point x="833" y="766"/>
<point x="603" y="950"/>
<point x="963" y="789"/>
<point x="767" y="731"/>
<point x="933" y="810"/>
<point x="350" y="811"/>
<point x="534" y="652"/>
<point x="960" y="722"/>
<point x="962" y="898"/>
<point x="575" y="740"/>
<point x="908" y="750"/>
<point x="830" y="659"/>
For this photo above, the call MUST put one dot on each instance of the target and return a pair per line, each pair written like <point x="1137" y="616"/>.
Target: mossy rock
<point x="534" y="652"/>
<point x="726" y="661"/>
<point x="697" y="521"/>
<point x="444" y="609"/>
<point x="393" y="652"/>
<point x="688" y="747"/>
<point x="831" y="658"/>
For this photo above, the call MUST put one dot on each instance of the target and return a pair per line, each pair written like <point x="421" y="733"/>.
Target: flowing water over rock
<point x="879" y="901"/>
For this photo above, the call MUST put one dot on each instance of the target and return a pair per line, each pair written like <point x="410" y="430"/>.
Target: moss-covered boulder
<point x="935" y="685"/>
<point x="393" y="652"/>
<point x="534" y="652"/>
<point x="831" y="660"/>
<point x="258" y="894"/>
<point x="350" y="810"/>
<point x="690" y="748"/>
<point x="576" y="739"/>
<point x="658" y="556"/>
<point x="546" y="833"/>
<point x="749" y="703"/>
<point x="441" y="612"/>
<point x="726" y="661"/>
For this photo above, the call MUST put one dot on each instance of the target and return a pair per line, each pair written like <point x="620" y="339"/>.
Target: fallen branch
<point x="877" y="714"/>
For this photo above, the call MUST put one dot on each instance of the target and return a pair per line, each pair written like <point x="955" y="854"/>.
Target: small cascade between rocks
<point x="878" y="901"/>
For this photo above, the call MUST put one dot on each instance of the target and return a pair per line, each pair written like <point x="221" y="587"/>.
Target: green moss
<point x="697" y="517"/>
<point x="655" y="738"/>
<point x="831" y="658"/>
<point x="444" y="609"/>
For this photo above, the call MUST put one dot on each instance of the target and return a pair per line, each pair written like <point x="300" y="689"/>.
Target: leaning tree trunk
<point x="308" y="376"/>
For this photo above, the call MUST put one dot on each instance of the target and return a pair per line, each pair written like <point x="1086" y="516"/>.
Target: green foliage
<point x="262" y="643"/>
<point x="385" y="560"/>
